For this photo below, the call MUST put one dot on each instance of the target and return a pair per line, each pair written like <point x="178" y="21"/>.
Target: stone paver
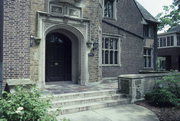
<point x="68" y="87"/>
<point x="129" y="112"/>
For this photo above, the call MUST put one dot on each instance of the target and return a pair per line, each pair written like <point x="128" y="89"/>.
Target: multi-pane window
<point x="147" y="57"/>
<point x="109" y="8"/>
<point x="166" y="41"/>
<point x="110" y="51"/>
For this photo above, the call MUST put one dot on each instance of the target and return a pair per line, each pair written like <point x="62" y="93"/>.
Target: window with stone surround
<point x="65" y="10"/>
<point x="109" y="8"/>
<point x="147" y="57"/>
<point x="110" y="51"/>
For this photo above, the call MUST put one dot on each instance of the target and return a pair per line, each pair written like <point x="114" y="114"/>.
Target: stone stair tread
<point x="79" y="93"/>
<point x="86" y="98"/>
<point x="90" y="104"/>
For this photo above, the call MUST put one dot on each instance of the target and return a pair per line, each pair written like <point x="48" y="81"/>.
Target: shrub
<point x="166" y="92"/>
<point x="171" y="83"/>
<point x="24" y="105"/>
<point x="161" y="97"/>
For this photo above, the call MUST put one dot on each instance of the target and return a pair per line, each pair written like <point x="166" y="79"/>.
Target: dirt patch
<point x="164" y="114"/>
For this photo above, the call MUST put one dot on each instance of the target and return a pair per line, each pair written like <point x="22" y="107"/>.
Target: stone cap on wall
<point x="13" y="82"/>
<point x="137" y="76"/>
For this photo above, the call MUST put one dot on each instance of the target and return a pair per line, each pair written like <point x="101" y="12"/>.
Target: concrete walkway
<point x="129" y="112"/>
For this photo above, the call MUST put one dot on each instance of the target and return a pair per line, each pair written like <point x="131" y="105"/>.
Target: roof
<point x="175" y="29"/>
<point x="145" y="13"/>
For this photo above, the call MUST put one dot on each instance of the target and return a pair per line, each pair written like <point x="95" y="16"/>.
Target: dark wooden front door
<point x="58" y="57"/>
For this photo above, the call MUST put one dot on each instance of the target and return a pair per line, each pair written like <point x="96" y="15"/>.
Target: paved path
<point x="129" y="112"/>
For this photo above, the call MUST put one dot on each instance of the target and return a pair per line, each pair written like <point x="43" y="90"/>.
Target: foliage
<point x="161" y="97"/>
<point x="170" y="16"/>
<point x="24" y="105"/>
<point x="166" y="92"/>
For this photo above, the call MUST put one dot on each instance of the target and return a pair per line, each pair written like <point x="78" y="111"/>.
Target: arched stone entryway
<point x="79" y="52"/>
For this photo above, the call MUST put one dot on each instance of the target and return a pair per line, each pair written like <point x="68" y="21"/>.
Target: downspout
<point x="1" y="44"/>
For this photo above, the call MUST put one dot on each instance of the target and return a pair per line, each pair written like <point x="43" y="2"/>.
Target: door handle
<point x="56" y="64"/>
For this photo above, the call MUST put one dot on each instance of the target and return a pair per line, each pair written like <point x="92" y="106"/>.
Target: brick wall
<point x="16" y="38"/>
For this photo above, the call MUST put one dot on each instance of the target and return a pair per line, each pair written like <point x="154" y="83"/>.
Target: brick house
<point x="169" y="49"/>
<point x="76" y="40"/>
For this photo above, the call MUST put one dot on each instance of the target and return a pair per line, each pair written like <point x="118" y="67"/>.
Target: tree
<point x="170" y="16"/>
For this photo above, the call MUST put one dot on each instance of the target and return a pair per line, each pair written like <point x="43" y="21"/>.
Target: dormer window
<point x="65" y="10"/>
<point x="109" y="8"/>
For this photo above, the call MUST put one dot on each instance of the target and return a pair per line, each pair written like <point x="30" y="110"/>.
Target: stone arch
<point x="79" y="59"/>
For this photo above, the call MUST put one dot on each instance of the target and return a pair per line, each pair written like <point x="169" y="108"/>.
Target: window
<point x="166" y="41"/>
<point x="110" y="51"/>
<point x="147" y="57"/>
<point x="178" y="40"/>
<point x="148" y="31"/>
<point x="161" y="63"/>
<point x="172" y="40"/>
<point x="109" y="8"/>
<point x="161" y="41"/>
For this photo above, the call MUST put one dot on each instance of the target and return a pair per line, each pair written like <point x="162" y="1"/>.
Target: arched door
<point x="58" y="57"/>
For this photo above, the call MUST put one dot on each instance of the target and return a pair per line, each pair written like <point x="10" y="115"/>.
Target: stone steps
<point x="84" y="101"/>
<point x="77" y="95"/>
<point x="91" y="106"/>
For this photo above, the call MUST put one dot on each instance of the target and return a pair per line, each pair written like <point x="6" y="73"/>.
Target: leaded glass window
<point x="147" y="57"/>
<point x="110" y="51"/>
<point x="109" y="8"/>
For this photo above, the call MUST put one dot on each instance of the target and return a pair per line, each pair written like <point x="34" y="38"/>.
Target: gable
<point x="146" y="15"/>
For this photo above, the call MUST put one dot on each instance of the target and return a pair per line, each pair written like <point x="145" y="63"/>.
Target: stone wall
<point x="16" y="39"/>
<point x="93" y="11"/>
<point x="36" y="5"/>
<point x="137" y="85"/>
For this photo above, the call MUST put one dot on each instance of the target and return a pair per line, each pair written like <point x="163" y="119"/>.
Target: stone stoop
<point x="84" y="101"/>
